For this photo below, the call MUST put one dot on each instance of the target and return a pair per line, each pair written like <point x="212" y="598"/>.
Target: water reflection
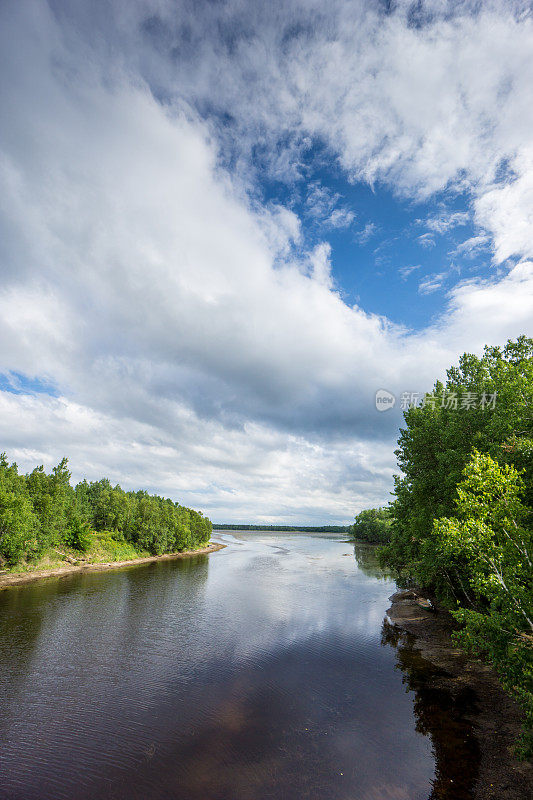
<point x="366" y="555"/>
<point x="256" y="672"/>
<point x="440" y="714"/>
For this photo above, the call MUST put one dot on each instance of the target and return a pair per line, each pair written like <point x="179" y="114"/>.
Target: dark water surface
<point x="261" y="671"/>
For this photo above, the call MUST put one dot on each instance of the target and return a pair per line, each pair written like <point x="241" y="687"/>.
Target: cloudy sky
<point x="225" y="225"/>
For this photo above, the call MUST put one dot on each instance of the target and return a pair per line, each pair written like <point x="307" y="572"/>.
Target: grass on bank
<point x="45" y="521"/>
<point x="102" y="547"/>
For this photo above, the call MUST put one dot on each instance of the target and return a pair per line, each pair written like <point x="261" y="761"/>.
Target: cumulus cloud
<point x="447" y="117"/>
<point x="481" y="310"/>
<point x="194" y="345"/>
<point x="200" y="461"/>
<point x="505" y="210"/>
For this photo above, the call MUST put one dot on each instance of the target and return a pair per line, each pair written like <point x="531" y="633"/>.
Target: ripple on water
<point x="256" y="672"/>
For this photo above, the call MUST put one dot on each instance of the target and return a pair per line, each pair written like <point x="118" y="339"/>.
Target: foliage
<point x="52" y="500"/>
<point x="490" y="534"/>
<point x="78" y="534"/>
<point x="437" y="442"/>
<point x="18" y="523"/>
<point x="462" y="514"/>
<point x="372" y="525"/>
<point x="41" y="513"/>
<point x="111" y="546"/>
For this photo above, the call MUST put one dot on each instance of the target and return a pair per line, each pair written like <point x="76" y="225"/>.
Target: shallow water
<point x="261" y="671"/>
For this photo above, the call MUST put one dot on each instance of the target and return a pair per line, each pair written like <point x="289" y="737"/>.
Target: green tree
<point x="52" y="498"/>
<point x="436" y="444"/>
<point x="372" y="525"/>
<point x="491" y="534"/>
<point x="19" y="526"/>
<point x="40" y="512"/>
<point x="462" y="513"/>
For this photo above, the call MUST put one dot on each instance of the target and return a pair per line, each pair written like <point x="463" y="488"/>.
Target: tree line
<point x="284" y="528"/>
<point x="372" y="525"/>
<point x="462" y="523"/>
<point x="41" y="511"/>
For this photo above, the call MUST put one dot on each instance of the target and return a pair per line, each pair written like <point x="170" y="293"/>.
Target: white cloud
<point x="322" y="205"/>
<point x="445" y="221"/>
<point x="407" y="270"/>
<point x="201" y="462"/>
<point x="506" y="210"/>
<point x="341" y="218"/>
<point x="427" y="240"/>
<point x="198" y="349"/>
<point x="432" y="283"/>
<point x="472" y="246"/>
<point x="366" y="233"/>
<point x="444" y="118"/>
<point x="492" y="310"/>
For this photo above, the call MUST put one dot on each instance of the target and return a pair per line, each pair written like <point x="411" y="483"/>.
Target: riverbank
<point x="496" y="719"/>
<point x="16" y="578"/>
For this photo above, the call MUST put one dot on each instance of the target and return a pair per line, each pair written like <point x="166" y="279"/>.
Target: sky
<point x="225" y="225"/>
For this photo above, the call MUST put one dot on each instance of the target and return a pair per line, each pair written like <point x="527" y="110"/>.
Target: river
<point x="264" y="670"/>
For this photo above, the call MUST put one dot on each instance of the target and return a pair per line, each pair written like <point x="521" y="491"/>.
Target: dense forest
<point x="284" y="528"/>
<point x="372" y="525"/>
<point x="43" y="515"/>
<point x="463" y="524"/>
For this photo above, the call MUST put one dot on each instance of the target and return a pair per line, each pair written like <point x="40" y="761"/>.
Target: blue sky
<point x="18" y="383"/>
<point x="392" y="256"/>
<point x="225" y="226"/>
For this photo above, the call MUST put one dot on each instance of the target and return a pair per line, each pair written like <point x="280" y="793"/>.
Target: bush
<point x="372" y="525"/>
<point x="78" y="534"/>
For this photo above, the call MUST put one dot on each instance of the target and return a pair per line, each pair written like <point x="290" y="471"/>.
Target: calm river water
<point x="261" y="671"/>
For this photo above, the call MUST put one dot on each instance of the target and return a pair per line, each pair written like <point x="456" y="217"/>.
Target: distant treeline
<point x="288" y="528"/>
<point x="41" y="512"/>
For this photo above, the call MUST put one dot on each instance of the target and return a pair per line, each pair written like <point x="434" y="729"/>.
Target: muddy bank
<point x="14" y="579"/>
<point x="483" y="723"/>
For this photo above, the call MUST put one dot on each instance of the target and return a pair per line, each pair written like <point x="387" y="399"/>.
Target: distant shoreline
<point x="283" y="528"/>
<point x="18" y="578"/>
